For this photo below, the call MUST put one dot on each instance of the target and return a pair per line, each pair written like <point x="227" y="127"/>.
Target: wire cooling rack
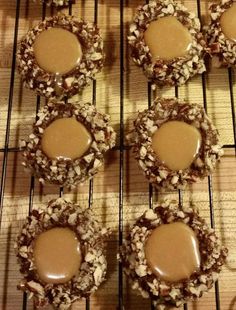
<point x="122" y="148"/>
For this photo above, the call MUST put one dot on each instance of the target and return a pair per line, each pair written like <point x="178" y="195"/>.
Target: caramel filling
<point x="167" y="38"/>
<point x="172" y="252"/>
<point x="228" y="23"/>
<point x="57" y="50"/>
<point x="57" y="255"/>
<point x="176" y="144"/>
<point x="65" y="138"/>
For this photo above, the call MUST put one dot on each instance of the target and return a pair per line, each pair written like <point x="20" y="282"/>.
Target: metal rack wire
<point x="122" y="148"/>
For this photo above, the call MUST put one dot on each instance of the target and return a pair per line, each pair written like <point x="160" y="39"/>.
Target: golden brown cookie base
<point x="163" y="293"/>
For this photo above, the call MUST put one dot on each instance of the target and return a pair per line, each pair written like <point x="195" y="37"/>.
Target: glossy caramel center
<point x="228" y="23"/>
<point x="66" y="138"/>
<point x="57" y="50"/>
<point x="167" y="38"/>
<point x="172" y="252"/>
<point x="57" y="255"/>
<point x="176" y="144"/>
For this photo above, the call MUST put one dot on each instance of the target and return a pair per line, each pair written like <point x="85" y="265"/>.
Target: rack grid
<point x="122" y="147"/>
